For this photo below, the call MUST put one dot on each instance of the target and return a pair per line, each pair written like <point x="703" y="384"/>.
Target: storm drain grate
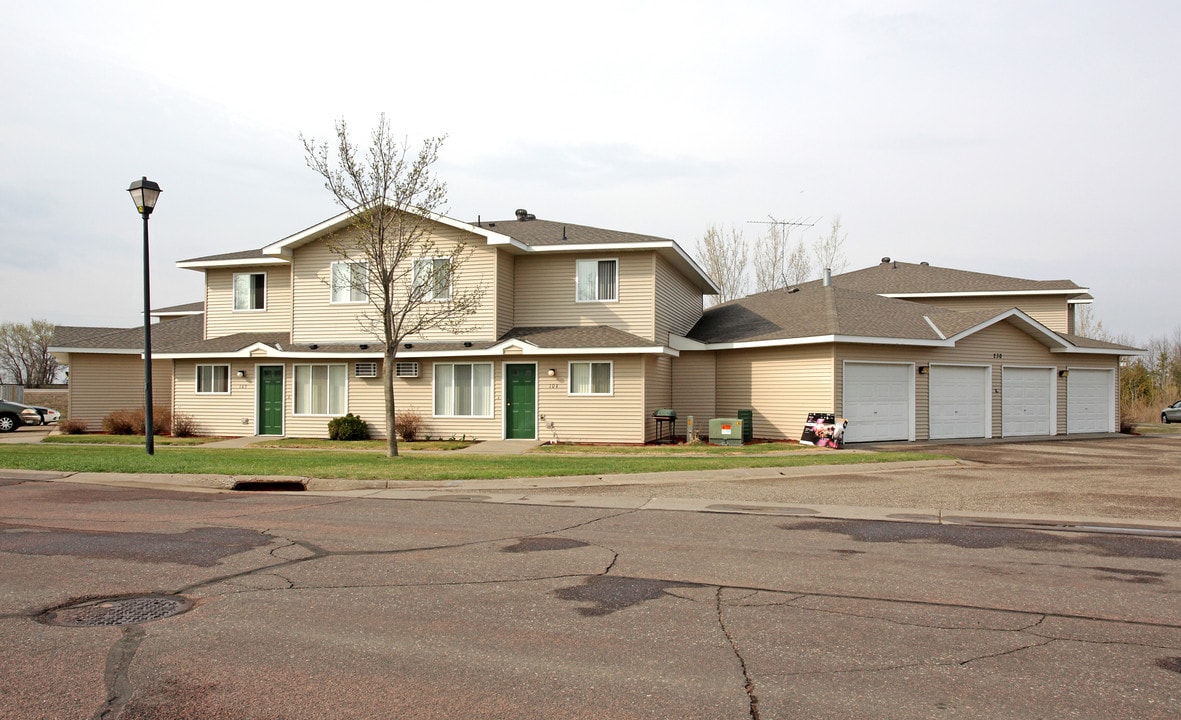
<point x="118" y="611"/>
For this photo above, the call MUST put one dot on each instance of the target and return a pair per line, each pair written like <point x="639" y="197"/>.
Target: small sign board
<point x="824" y="430"/>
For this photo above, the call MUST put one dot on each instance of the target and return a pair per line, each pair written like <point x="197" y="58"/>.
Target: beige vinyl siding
<point x="317" y="319"/>
<point x="102" y="383"/>
<point x="694" y="381"/>
<point x="504" y="292"/>
<point x="781" y="385"/>
<point x="1049" y="310"/>
<point x="231" y="414"/>
<point x="658" y="391"/>
<point x="220" y="317"/>
<point x="618" y="417"/>
<point x="678" y="302"/>
<point x="545" y="287"/>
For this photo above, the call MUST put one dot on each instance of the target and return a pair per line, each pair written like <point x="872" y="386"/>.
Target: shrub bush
<point x="132" y="422"/>
<point x="120" y="422"/>
<point x="349" y="427"/>
<point x="408" y="425"/>
<point x="183" y="425"/>
<point x="72" y="426"/>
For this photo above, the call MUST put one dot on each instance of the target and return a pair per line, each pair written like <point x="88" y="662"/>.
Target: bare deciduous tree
<point x="723" y="254"/>
<point x="830" y="251"/>
<point x="778" y="263"/>
<point x="24" y="353"/>
<point x="391" y="257"/>
<point x="1088" y="324"/>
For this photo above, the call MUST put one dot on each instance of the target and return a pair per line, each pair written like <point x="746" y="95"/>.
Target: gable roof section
<point x="130" y="341"/>
<point x="908" y="280"/>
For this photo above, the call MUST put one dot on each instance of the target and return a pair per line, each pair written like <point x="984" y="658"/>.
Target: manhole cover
<point x="118" y="611"/>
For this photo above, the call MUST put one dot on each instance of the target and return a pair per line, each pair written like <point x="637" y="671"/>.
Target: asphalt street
<point x="320" y="606"/>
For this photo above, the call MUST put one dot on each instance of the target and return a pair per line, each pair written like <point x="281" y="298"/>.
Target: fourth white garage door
<point x="958" y="402"/>
<point x="1027" y="401"/>
<point x="879" y="401"/>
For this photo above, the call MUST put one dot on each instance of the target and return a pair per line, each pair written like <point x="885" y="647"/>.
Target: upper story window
<point x="591" y="378"/>
<point x="213" y="379"/>
<point x="250" y="291"/>
<point x="350" y="281"/>
<point x="434" y="276"/>
<point x="597" y="280"/>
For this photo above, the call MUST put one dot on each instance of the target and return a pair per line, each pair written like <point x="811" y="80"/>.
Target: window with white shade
<point x="433" y="275"/>
<point x="350" y="282"/>
<point x="320" y="389"/>
<point x="213" y="379"/>
<point x="597" y="280"/>
<point x="591" y="378"/>
<point x="250" y="291"/>
<point x="463" y="390"/>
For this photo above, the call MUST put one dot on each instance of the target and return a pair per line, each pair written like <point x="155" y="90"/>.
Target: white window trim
<point x="577" y="279"/>
<point x="570" y="378"/>
<point x="430" y="296"/>
<point x="234" y="293"/>
<point x="332" y="275"/>
<point x="197" y="379"/>
<point x="491" y="391"/>
<point x="329" y="414"/>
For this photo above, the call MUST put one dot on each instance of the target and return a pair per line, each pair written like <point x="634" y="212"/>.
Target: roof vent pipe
<point x="523" y="215"/>
<point x="827" y="277"/>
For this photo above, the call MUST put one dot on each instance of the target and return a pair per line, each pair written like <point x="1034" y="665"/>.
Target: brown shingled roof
<point x="540" y="233"/>
<point x="165" y="336"/>
<point x="900" y="278"/>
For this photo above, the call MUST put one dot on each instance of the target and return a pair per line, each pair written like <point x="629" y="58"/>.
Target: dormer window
<point x="250" y="291"/>
<point x="596" y="280"/>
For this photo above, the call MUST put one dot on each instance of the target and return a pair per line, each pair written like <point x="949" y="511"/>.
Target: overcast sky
<point x="1032" y="139"/>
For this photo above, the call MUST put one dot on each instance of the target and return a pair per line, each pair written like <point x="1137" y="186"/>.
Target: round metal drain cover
<point x="118" y="611"/>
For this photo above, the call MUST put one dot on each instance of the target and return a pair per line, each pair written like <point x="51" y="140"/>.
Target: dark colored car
<point x="1172" y="413"/>
<point x="13" y="415"/>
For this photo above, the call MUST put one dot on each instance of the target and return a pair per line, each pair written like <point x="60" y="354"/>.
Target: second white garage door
<point x="879" y="401"/>
<point x="958" y="402"/>
<point x="1027" y="401"/>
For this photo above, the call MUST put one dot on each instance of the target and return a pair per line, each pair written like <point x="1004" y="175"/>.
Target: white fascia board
<point x="688" y="345"/>
<point x="1076" y="350"/>
<point x="986" y="293"/>
<point x="95" y="351"/>
<point x="236" y="262"/>
<point x="1033" y="325"/>
<point x="1080" y="301"/>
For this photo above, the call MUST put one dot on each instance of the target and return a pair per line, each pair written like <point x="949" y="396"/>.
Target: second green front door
<point x="270" y="400"/>
<point x="520" y="400"/>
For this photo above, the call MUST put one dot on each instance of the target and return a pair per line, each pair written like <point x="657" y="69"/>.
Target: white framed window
<point x="350" y="281"/>
<point x="597" y="280"/>
<point x="250" y="291"/>
<point x="213" y="379"/>
<point x="321" y="389"/>
<point x="463" y="390"/>
<point x="591" y="378"/>
<point x="434" y="276"/>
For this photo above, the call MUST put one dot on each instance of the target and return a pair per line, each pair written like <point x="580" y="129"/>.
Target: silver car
<point x="13" y="415"/>
<point x="1172" y="413"/>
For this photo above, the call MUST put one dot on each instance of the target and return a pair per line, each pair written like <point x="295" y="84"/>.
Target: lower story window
<point x="463" y="390"/>
<point x="213" y="379"/>
<point x="590" y="378"/>
<point x="321" y="389"/>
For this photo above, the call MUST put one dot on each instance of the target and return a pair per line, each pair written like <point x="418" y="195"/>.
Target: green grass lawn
<point x="679" y="450"/>
<point x="97" y="439"/>
<point x="362" y="465"/>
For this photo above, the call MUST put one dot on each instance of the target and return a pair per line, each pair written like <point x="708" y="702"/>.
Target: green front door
<point x="270" y="400"/>
<point x="520" y="409"/>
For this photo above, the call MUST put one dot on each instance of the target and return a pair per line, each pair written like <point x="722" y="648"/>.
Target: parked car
<point x="48" y="415"/>
<point x="13" y="415"/>
<point x="1172" y="413"/>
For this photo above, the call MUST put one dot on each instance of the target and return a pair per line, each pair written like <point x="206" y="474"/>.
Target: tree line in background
<point x="24" y="354"/>
<point x="726" y="256"/>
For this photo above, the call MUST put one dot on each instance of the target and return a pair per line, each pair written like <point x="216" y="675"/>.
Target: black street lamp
<point x="144" y="194"/>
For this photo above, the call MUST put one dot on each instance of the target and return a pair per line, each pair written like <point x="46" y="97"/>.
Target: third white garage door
<point x="1090" y="401"/>
<point x="1027" y="401"/>
<point x="879" y="401"/>
<point x="958" y="402"/>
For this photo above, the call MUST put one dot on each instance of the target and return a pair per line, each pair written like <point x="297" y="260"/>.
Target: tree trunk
<point x="387" y="382"/>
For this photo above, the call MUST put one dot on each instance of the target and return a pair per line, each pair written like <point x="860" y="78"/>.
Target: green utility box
<point x="748" y="425"/>
<point x="725" y="431"/>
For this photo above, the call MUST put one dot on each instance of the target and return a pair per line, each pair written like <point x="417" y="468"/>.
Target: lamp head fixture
<point x="144" y="193"/>
<point x="551" y="372"/>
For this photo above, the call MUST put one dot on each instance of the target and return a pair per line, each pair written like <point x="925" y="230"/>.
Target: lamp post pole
<point x="144" y="194"/>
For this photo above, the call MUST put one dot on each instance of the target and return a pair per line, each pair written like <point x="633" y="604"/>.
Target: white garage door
<point x="958" y="402"/>
<point x="1027" y="401"/>
<point x="879" y="401"/>
<point x="1090" y="401"/>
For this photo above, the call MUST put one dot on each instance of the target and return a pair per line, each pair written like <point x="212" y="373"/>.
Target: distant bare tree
<point x="723" y="254"/>
<point x="830" y="250"/>
<point x="24" y="353"/>
<point x="1087" y="324"/>
<point x="392" y="260"/>
<point x="778" y="263"/>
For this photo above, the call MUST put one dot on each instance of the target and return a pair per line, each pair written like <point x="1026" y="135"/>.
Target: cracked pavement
<point x="315" y="607"/>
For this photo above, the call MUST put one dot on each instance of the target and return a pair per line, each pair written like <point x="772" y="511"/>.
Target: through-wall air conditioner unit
<point x="366" y="370"/>
<point x="406" y="369"/>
